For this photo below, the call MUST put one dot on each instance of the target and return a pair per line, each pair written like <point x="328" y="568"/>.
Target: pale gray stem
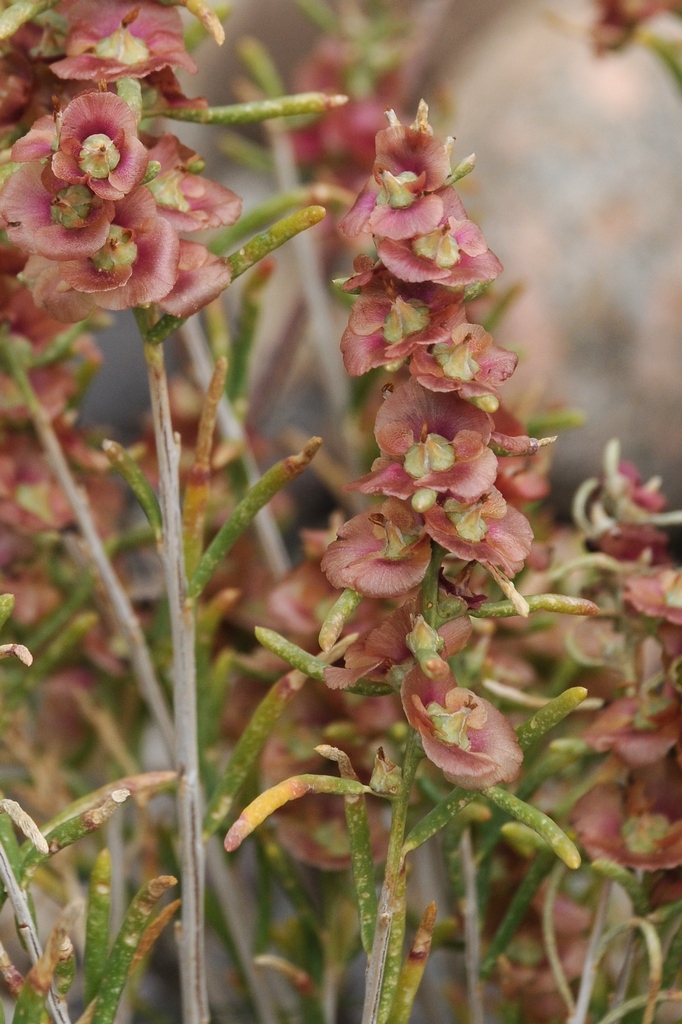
<point x="231" y="429"/>
<point x="377" y="958"/>
<point x="17" y="897"/>
<point x="472" y="935"/>
<point x="122" y="608"/>
<point x="625" y="972"/>
<point x="227" y="892"/>
<point x="116" y="847"/>
<point x="189" y="801"/>
<point x="549" y="937"/>
<point x="590" y="967"/>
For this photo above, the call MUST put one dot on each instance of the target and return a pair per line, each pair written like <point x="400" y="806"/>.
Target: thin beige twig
<point x="189" y="799"/>
<point x="124" y="613"/>
<point x="230" y="429"/>
<point x="27" y="929"/>
<point x="472" y="935"/>
<point x="591" y="960"/>
<point x="549" y="936"/>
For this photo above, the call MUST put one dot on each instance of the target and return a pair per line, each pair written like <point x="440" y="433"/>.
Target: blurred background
<point x="578" y="190"/>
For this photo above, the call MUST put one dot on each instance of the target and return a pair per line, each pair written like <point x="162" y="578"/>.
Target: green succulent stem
<point x="260" y="494"/>
<point x="259" y="110"/>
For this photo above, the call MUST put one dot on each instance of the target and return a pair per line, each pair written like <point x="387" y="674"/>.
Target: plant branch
<point x="27" y="930"/>
<point x="189" y="799"/>
<point x="472" y="936"/>
<point x="388" y="904"/>
<point x="230" y="429"/>
<point x="590" y="966"/>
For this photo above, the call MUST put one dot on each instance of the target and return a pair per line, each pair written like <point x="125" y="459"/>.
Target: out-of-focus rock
<point x="579" y="191"/>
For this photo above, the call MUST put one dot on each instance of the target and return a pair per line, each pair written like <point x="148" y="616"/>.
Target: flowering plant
<point x="468" y="625"/>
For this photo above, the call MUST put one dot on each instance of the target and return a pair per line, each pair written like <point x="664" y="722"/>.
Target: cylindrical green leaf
<point x="71" y="831"/>
<point x="248" y="748"/>
<point x="413" y="969"/>
<point x="123" y="951"/>
<point x="260" y="110"/>
<point x="21" y="12"/>
<point x="627" y="880"/>
<point x="260" y="494"/>
<point x="337" y="617"/>
<point x="275" y="797"/>
<point x="517" y="910"/>
<point x="538" y="602"/>
<point x="549" y="716"/>
<point x="438" y="817"/>
<point x="97" y="925"/>
<point x="124" y="464"/>
<point x="295" y="655"/>
<point x="554" y="836"/>
<point x="6" y="606"/>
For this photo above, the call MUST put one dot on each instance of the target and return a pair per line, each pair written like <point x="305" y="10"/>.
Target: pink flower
<point x="658" y="596"/>
<point x="454" y="253"/>
<point x="51" y="217"/>
<point x="188" y="201"/>
<point x="487" y="530"/>
<point x="137" y="264"/>
<point x="468" y="738"/>
<point x="390" y="321"/>
<point x="99" y="147"/>
<point x="374" y="655"/>
<point x="120" y="38"/>
<point x="381" y="553"/>
<point x="401" y="201"/>
<point x="430" y="441"/>
<point x="201" y="278"/>
<point x="467" y="362"/>
<point x="58" y="299"/>
<point x="640" y="731"/>
<point x="639" y="825"/>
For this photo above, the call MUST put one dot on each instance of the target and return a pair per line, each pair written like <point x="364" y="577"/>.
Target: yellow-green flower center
<point x="122" y="46"/>
<point x="644" y="833"/>
<point x="673" y="591"/>
<point x="119" y="250"/>
<point x="434" y="454"/>
<point x="166" y="189"/>
<point x="461" y="713"/>
<point x="405" y="318"/>
<point x="467" y="519"/>
<point x="456" y="361"/>
<point x="98" y="156"/>
<point x="393" y="191"/>
<point x="439" y="246"/>
<point x="71" y="206"/>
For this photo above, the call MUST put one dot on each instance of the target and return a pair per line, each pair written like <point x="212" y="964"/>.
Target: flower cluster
<point x="442" y="435"/>
<point x="96" y="204"/>
<point x="438" y="440"/>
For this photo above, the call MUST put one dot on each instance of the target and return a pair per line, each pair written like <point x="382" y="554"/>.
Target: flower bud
<point x="463" y="168"/>
<point x="386" y="776"/>
<point x="423" y="499"/>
